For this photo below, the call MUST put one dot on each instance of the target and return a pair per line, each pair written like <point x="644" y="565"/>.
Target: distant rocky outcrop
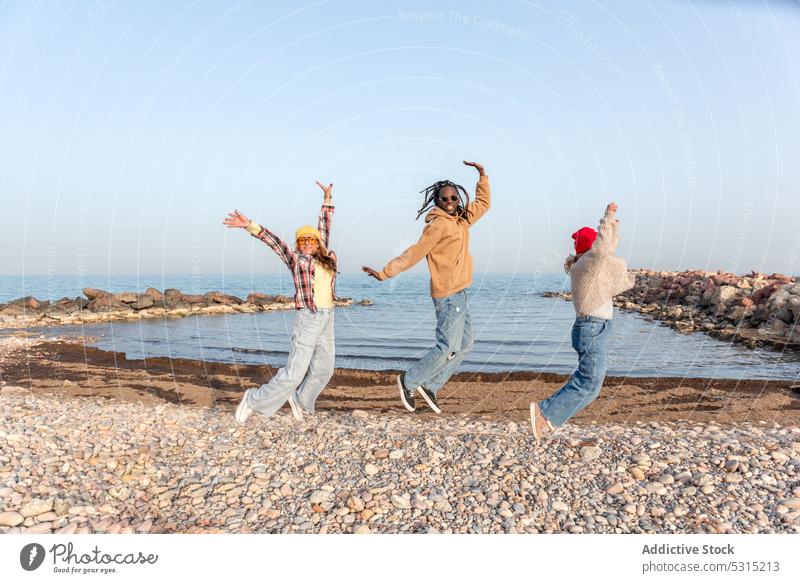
<point x="754" y="309"/>
<point x="102" y="306"/>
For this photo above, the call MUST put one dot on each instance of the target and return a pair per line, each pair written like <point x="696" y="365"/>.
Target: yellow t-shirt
<point x="323" y="291"/>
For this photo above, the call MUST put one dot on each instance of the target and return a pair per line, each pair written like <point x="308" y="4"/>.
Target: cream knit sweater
<point x="598" y="275"/>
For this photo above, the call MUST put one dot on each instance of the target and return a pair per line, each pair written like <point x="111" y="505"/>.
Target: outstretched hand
<point x="326" y="189"/>
<point x="477" y="166"/>
<point x="236" y="220"/>
<point x="371" y="272"/>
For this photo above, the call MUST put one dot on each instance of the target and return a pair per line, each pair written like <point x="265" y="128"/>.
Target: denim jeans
<point x="453" y="342"/>
<point x="590" y="340"/>
<point x="310" y="365"/>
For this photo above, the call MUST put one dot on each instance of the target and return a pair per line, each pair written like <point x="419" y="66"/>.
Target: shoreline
<point x="92" y="442"/>
<point x="74" y="369"/>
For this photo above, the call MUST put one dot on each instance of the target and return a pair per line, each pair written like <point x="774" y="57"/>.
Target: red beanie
<point x="584" y="239"/>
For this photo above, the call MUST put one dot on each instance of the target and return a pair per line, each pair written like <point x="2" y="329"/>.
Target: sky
<point x="128" y="130"/>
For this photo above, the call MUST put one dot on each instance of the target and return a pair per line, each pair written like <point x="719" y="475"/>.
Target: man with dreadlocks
<point x="445" y="244"/>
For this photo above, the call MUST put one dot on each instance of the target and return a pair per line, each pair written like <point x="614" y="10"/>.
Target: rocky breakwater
<point x="754" y="309"/>
<point x="102" y="306"/>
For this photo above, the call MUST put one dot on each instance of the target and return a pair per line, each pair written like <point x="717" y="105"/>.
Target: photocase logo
<point x="31" y="556"/>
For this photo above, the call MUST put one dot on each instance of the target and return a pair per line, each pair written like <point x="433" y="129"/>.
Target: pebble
<point x="36" y="507"/>
<point x="370" y="469"/>
<point x="319" y="496"/>
<point x="591" y="452"/>
<point x="614" y="488"/>
<point x="11" y="518"/>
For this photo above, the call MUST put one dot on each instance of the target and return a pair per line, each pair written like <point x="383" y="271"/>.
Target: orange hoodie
<point x="445" y="244"/>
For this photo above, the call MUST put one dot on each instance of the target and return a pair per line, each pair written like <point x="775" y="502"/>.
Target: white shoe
<point x="243" y="411"/>
<point x="297" y="411"/>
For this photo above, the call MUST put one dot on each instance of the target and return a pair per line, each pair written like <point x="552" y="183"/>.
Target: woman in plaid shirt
<point x="311" y="355"/>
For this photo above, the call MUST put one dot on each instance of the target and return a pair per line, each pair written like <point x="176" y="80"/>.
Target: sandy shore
<point x="65" y="368"/>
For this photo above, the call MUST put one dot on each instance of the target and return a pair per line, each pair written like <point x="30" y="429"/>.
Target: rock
<point x="196" y="299"/>
<point x="615" y="488"/>
<point x="319" y="496"/>
<point x="107" y="303"/>
<point x="11" y="518"/>
<point x="143" y="302"/>
<point x="355" y="504"/>
<point x="36" y="507"/>
<point x="559" y="506"/>
<point x="637" y="473"/>
<point x="402" y="502"/>
<point x="366" y="514"/>
<point x="126" y="297"/>
<point x="396" y="454"/>
<point x="14" y="390"/>
<point x="380" y="453"/>
<point x="792" y="503"/>
<point x="370" y="469"/>
<point x="310" y="469"/>
<point x="589" y="453"/>
<point x="154" y="293"/>
<point x="220" y="298"/>
<point x="93" y="293"/>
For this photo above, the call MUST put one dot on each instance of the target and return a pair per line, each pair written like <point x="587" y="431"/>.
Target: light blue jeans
<point x="590" y="341"/>
<point x="453" y="342"/>
<point x="310" y="366"/>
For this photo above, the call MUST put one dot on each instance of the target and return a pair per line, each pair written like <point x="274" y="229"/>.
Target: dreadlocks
<point x="432" y="192"/>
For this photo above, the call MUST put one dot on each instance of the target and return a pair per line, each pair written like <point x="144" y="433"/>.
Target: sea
<point x="516" y="328"/>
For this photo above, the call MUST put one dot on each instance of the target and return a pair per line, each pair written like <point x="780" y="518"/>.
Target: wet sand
<point x="75" y="370"/>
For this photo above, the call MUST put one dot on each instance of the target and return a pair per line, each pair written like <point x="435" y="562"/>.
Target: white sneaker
<point x="243" y="411"/>
<point x="297" y="411"/>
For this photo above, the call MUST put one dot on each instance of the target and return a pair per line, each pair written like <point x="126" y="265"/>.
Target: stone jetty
<point x="755" y="309"/>
<point x="102" y="306"/>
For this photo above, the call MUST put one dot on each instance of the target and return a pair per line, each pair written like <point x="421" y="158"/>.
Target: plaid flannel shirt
<point x="301" y="265"/>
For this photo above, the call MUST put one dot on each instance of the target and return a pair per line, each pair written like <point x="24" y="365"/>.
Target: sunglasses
<point x="451" y="198"/>
<point x="306" y="240"/>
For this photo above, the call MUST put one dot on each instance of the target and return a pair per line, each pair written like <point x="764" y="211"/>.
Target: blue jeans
<point x="590" y="341"/>
<point x="310" y="365"/>
<point x="453" y="342"/>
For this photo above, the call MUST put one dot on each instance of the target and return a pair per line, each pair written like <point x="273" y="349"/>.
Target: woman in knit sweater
<point x="596" y="276"/>
<point x="311" y="355"/>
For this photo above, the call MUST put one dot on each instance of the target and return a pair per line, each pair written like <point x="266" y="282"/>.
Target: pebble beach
<point x="99" y="465"/>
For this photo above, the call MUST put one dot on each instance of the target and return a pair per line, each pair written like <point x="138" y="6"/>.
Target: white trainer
<point x="297" y="411"/>
<point x="243" y="411"/>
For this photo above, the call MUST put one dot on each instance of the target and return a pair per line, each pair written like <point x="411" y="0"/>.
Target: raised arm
<point x="607" y="232"/>
<point x="325" y="213"/>
<point x="483" y="195"/>
<point x="238" y="220"/>
<point x="431" y="235"/>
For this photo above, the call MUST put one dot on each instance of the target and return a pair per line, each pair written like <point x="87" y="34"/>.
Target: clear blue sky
<point x="129" y="129"/>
